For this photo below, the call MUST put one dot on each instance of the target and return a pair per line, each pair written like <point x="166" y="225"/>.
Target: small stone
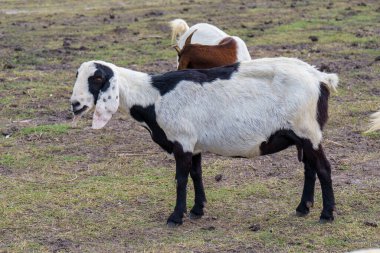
<point x="313" y="38"/>
<point x="66" y="43"/>
<point x="209" y="228"/>
<point x="255" y="227"/>
<point x="218" y="177"/>
<point x="324" y="68"/>
<point x="371" y="224"/>
<point x="354" y="44"/>
<point x="9" y="66"/>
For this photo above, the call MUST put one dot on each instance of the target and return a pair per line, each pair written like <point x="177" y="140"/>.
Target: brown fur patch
<point x="197" y="56"/>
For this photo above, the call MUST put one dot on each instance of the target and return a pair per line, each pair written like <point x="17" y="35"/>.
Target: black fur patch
<point x="148" y="115"/>
<point x="100" y="81"/>
<point x="323" y="106"/>
<point x="280" y="140"/>
<point x="168" y="81"/>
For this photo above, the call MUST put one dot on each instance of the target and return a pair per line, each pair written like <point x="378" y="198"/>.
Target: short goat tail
<point x="331" y="80"/>
<point x="375" y="122"/>
<point x="179" y="27"/>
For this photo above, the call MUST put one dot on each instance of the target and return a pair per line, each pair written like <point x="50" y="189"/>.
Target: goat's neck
<point x="135" y="89"/>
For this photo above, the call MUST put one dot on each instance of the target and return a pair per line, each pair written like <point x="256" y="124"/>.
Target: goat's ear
<point x="177" y="49"/>
<point x="188" y="39"/>
<point x="107" y="104"/>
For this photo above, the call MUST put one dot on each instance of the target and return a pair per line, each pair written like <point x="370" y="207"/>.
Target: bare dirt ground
<point x="65" y="189"/>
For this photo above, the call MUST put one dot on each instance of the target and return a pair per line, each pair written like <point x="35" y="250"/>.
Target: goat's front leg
<point x="183" y="165"/>
<point x="200" y="196"/>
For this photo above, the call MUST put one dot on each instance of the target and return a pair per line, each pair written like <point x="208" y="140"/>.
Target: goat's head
<point x="187" y="42"/>
<point x="186" y="50"/>
<point x="96" y="85"/>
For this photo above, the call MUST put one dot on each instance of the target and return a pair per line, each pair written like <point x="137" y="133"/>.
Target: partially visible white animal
<point x="375" y="122"/>
<point x="366" y="251"/>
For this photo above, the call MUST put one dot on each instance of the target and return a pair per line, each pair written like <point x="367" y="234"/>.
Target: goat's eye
<point x="98" y="79"/>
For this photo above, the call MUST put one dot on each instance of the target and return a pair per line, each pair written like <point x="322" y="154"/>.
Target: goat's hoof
<point x="302" y="211"/>
<point x="174" y="220"/>
<point x="326" y="216"/>
<point x="172" y="224"/>
<point x="301" y="214"/>
<point x="303" y="208"/>
<point x="194" y="216"/>
<point x="324" y="221"/>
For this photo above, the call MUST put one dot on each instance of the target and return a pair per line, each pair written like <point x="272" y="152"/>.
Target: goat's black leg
<point x="200" y="196"/>
<point x="324" y="176"/>
<point x="319" y="162"/>
<point x="307" y="199"/>
<point x="183" y="165"/>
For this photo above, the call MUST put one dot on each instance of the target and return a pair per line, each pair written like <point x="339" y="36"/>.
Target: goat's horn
<point x="177" y="48"/>
<point x="188" y="40"/>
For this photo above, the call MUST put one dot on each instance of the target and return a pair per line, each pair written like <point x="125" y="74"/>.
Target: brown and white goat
<point x="197" y="56"/>
<point x="206" y="34"/>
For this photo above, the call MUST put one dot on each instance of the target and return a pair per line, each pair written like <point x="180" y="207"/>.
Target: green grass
<point x="65" y="189"/>
<point x="46" y="129"/>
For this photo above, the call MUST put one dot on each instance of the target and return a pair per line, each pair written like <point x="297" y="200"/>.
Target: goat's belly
<point x="223" y="148"/>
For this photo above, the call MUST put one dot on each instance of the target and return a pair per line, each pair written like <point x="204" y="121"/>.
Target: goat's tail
<point x="331" y="80"/>
<point x="375" y="122"/>
<point x="179" y="27"/>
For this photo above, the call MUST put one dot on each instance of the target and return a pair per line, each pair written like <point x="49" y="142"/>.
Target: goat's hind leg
<point x="200" y="196"/>
<point x="324" y="176"/>
<point x="319" y="163"/>
<point x="307" y="199"/>
<point x="281" y="140"/>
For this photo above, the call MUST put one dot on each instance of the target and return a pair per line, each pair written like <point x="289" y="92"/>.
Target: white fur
<point x="233" y="117"/>
<point x="179" y="27"/>
<point x="366" y="251"/>
<point x="206" y="34"/>
<point x="375" y="122"/>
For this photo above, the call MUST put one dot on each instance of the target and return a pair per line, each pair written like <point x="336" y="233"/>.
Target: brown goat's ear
<point x="177" y="49"/>
<point x="188" y="40"/>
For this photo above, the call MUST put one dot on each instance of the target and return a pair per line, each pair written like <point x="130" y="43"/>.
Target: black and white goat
<point x="246" y="109"/>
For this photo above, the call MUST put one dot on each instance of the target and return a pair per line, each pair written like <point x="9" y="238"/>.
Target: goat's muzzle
<point x="79" y="111"/>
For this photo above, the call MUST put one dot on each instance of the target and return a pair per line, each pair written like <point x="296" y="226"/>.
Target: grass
<point x="67" y="189"/>
<point x="46" y="129"/>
